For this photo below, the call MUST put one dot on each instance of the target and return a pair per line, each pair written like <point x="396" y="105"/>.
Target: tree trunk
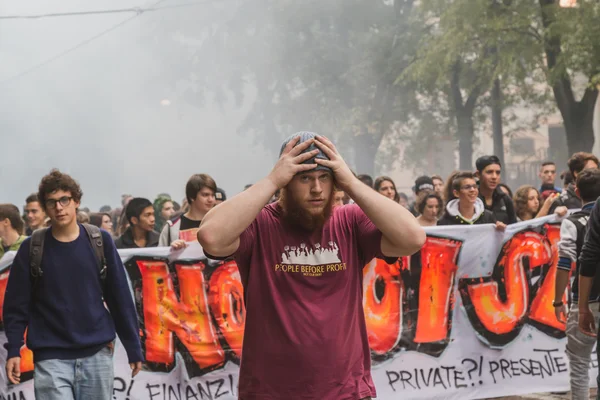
<point x="466" y="132"/>
<point x="578" y="116"/>
<point x="579" y="126"/>
<point x="498" y="134"/>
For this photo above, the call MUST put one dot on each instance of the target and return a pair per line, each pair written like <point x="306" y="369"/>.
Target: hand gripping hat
<point x="304" y="136"/>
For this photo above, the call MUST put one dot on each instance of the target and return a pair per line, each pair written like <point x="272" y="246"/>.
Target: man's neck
<point x="66" y="233"/>
<point x="486" y="192"/>
<point x="194" y="215"/>
<point x="466" y="210"/>
<point x="139" y="236"/>
<point x="10" y="239"/>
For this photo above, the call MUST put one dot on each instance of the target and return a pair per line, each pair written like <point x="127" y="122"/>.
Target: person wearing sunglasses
<point x="464" y="205"/>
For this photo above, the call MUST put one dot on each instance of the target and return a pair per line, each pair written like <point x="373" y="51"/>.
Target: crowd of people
<point x="464" y="197"/>
<point x="313" y="201"/>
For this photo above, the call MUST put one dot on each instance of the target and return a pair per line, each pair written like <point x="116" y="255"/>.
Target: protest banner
<point x="468" y="317"/>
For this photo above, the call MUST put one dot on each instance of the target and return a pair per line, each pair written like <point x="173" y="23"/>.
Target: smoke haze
<point x="108" y="112"/>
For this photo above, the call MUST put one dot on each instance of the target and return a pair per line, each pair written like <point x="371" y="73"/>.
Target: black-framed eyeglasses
<point x="64" y="201"/>
<point x="469" y="187"/>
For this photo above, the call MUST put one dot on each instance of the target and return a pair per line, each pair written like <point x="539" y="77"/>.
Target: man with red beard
<point x="300" y="262"/>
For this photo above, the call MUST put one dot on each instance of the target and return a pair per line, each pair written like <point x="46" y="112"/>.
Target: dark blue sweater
<point x="66" y="317"/>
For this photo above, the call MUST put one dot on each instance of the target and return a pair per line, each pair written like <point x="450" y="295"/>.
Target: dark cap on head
<point x="220" y="194"/>
<point x="484" y="161"/>
<point x="304" y="136"/>
<point x="423" y="183"/>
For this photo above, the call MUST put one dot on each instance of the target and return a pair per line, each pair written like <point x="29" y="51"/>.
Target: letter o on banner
<point x="382" y="299"/>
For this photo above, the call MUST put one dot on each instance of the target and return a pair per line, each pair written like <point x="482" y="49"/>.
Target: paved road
<point x="545" y="396"/>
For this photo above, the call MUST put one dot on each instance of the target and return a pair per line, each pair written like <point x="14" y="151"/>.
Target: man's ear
<point x="477" y="175"/>
<point x="577" y="192"/>
<point x="135" y="220"/>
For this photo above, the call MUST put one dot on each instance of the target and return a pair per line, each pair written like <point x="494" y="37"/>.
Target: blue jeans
<point x="89" y="378"/>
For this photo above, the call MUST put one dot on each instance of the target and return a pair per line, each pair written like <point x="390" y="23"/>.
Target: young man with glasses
<point x="464" y="205"/>
<point x="69" y="329"/>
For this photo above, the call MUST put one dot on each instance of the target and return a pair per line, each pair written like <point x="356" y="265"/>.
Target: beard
<point x="298" y="216"/>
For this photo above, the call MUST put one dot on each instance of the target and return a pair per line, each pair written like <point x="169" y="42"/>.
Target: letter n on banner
<point x="165" y="312"/>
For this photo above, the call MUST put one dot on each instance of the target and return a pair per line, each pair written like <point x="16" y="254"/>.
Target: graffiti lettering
<point x="26" y="354"/>
<point x="409" y="304"/>
<point x="498" y="305"/>
<point x="187" y="316"/>
<point x="206" y="389"/>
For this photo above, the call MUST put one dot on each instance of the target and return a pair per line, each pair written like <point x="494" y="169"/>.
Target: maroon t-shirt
<point x="305" y="335"/>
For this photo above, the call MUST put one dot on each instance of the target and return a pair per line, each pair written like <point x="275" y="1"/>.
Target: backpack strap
<point x="95" y="237"/>
<point x="36" y="248"/>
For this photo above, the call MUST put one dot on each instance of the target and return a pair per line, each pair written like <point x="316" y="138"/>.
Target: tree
<point x="323" y="65"/>
<point x="570" y="38"/>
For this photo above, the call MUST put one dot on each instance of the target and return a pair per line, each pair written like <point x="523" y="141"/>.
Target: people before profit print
<point x="300" y="239"/>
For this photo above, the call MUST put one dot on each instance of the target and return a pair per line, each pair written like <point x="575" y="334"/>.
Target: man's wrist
<point x="270" y="185"/>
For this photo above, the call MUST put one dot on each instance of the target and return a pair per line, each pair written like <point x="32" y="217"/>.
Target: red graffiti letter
<point x="26" y="354"/>
<point x="226" y="297"/>
<point x="542" y="310"/>
<point x="383" y="291"/>
<point x="497" y="305"/>
<point x="436" y="289"/>
<point x="189" y="318"/>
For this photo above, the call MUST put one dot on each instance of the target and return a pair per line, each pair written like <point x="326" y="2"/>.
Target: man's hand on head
<point x="291" y="162"/>
<point x="342" y="173"/>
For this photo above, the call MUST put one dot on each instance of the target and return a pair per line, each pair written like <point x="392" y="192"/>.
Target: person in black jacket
<point x="494" y="199"/>
<point x="464" y="206"/>
<point x="141" y="233"/>
<point x="577" y="163"/>
<point x="572" y="233"/>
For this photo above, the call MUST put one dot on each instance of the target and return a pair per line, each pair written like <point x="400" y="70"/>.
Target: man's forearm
<point x="396" y="223"/>
<point x="560" y="285"/>
<point x="223" y="225"/>
<point x="585" y="287"/>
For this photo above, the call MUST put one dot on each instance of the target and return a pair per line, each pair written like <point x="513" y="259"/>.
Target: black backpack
<point x="36" y="250"/>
